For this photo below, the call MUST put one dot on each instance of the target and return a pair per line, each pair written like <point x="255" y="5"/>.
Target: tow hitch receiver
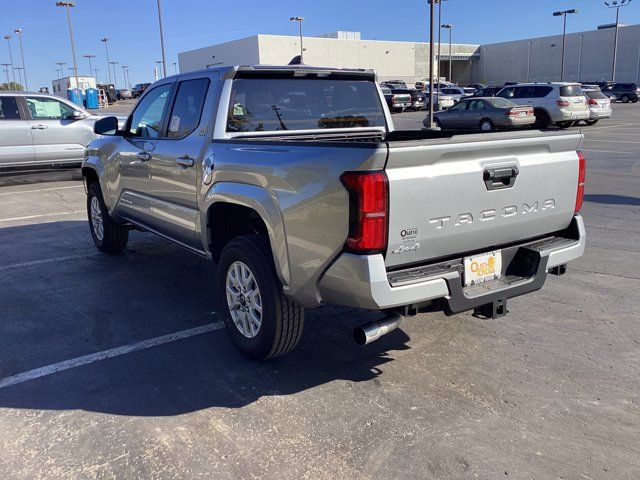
<point x="494" y="309"/>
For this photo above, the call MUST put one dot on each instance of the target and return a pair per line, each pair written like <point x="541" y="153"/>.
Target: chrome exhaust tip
<point x="372" y="331"/>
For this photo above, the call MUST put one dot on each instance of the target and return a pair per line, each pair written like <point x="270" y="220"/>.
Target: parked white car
<point x="599" y="106"/>
<point x="560" y="103"/>
<point x="457" y="93"/>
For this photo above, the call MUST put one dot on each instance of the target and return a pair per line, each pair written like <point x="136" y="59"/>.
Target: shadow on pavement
<point x="612" y="199"/>
<point x="59" y="311"/>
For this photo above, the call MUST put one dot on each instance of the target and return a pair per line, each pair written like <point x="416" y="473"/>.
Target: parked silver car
<point x="485" y="114"/>
<point x="41" y="129"/>
<point x="599" y="106"/>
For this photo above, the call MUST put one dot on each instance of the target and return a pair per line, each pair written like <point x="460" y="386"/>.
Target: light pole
<point x="299" y="20"/>
<point x="164" y="58"/>
<point x="19" y="75"/>
<point x="529" y="63"/>
<point x="580" y="59"/>
<point x="616" y="4"/>
<point x="13" y="72"/>
<point x="449" y="27"/>
<point x="67" y="6"/>
<point x="61" y="65"/>
<point x="89" y="57"/>
<point x="6" y="71"/>
<point x="563" y="14"/>
<point x="156" y="69"/>
<point x="19" y="32"/>
<point x="124" y="74"/>
<point x="105" y="40"/>
<point x="431" y="38"/>
<point x="115" y="76"/>
<point x="175" y="68"/>
<point x="95" y="74"/>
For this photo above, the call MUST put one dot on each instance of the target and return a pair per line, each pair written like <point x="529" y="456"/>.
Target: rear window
<point x="595" y="95"/>
<point x="571" y="91"/>
<point x="266" y="104"/>
<point x="499" y="102"/>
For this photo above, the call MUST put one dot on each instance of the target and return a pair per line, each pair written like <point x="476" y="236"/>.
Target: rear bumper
<point x="598" y="114"/>
<point x="362" y="281"/>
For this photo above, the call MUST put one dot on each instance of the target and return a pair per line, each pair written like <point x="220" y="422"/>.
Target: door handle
<point x="39" y="127"/>
<point x="185" y="162"/>
<point x="143" y="156"/>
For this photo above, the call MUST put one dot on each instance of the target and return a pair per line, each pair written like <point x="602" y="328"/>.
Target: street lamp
<point x="449" y="27"/>
<point x="67" y="6"/>
<point x="19" y="32"/>
<point x="61" y="65"/>
<point x="616" y="4"/>
<point x="19" y="74"/>
<point x="89" y="57"/>
<point x="13" y="72"/>
<point x="564" y="13"/>
<point x="299" y="20"/>
<point x="105" y="40"/>
<point x="124" y="74"/>
<point x="432" y="125"/>
<point x="95" y="74"/>
<point x="115" y="76"/>
<point x="175" y="68"/>
<point x="6" y="71"/>
<point x="164" y="58"/>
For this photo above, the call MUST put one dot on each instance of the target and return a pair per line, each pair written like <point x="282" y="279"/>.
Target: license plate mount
<point x="482" y="267"/>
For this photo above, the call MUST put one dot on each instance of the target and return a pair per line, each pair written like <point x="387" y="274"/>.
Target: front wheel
<point x="262" y="321"/>
<point x="108" y="236"/>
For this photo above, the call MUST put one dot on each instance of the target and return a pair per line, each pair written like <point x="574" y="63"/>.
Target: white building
<point x="61" y="85"/>
<point x="407" y="61"/>
<point x="588" y="56"/>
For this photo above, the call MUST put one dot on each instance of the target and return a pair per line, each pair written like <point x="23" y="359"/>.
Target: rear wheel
<point x="564" y="125"/>
<point x="625" y="99"/>
<point x="108" y="236"/>
<point x="542" y="119"/>
<point x="487" y="125"/>
<point x="261" y="320"/>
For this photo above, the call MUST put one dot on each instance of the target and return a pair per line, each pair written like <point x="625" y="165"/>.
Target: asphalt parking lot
<point x="119" y="366"/>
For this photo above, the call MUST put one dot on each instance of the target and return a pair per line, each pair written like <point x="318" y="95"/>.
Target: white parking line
<point x="609" y="141"/>
<point x="42" y="215"/>
<point x="46" y="260"/>
<point x="606" y="151"/>
<point x="40" y="190"/>
<point x="105" y="354"/>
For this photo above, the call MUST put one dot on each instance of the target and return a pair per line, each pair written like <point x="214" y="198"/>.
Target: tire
<point x="635" y="100"/>
<point x="591" y="122"/>
<point x="487" y="125"/>
<point x="542" y="119"/>
<point x="564" y="125"/>
<point x="278" y="321"/>
<point x="108" y="236"/>
<point x="625" y="99"/>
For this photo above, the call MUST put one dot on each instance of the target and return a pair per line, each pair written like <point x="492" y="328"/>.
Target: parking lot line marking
<point x="106" y="354"/>
<point x="29" y="217"/>
<point x="606" y="151"/>
<point x="609" y="141"/>
<point x="46" y="260"/>
<point x="40" y="190"/>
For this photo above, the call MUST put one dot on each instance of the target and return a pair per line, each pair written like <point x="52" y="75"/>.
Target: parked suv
<point x="624" y="92"/>
<point x="139" y="89"/>
<point x="562" y="104"/>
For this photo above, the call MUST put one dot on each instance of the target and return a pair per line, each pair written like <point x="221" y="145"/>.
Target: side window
<point x="146" y="120"/>
<point x="477" y="105"/>
<point x="507" y="93"/>
<point x="9" y="108"/>
<point x="541" y="92"/>
<point x="187" y="108"/>
<point x="459" y="107"/>
<point x="42" y="108"/>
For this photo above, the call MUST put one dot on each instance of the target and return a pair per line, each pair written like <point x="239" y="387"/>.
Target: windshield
<point x="595" y="95"/>
<point x="272" y="104"/>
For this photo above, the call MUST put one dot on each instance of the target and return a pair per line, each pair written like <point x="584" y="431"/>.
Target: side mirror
<point x="78" y="115"/>
<point x="106" y="126"/>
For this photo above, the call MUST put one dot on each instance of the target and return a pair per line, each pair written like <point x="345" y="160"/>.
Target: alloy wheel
<point x="244" y="299"/>
<point x="97" y="222"/>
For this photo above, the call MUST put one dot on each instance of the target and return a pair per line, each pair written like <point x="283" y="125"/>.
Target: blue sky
<point x="132" y="26"/>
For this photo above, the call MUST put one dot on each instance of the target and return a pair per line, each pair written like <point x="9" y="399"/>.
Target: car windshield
<point x="595" y="95"/>
<point x="499" y="102"/>
<point x="266" y="104"/>
<point x="571" y="91"/>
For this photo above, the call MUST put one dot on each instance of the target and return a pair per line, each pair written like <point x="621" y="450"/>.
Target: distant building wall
<point x="237" y="52"/>
<point x="588" y="57"/>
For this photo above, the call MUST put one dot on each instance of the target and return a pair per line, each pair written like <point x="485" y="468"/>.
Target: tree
<point x="11" y="86"/>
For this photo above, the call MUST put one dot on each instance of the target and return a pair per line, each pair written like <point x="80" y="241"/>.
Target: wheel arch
<point x="241" y="209"/>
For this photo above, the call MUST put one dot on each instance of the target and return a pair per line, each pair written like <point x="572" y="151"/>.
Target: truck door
<point x="174" y="167"/>
<point x="16" y="146"/>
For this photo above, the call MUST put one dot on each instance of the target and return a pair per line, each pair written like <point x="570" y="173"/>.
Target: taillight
<point x="368" y="210"/>
<point x="593" y="101"/>
<point x="562" y="103"/>
<point x="582" y="175"/>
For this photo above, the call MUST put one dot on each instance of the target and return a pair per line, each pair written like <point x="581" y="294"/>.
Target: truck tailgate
<point x="470" y="193"/>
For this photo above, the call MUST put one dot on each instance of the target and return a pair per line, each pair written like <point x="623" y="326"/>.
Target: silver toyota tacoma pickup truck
<point x="295" y="182"/>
